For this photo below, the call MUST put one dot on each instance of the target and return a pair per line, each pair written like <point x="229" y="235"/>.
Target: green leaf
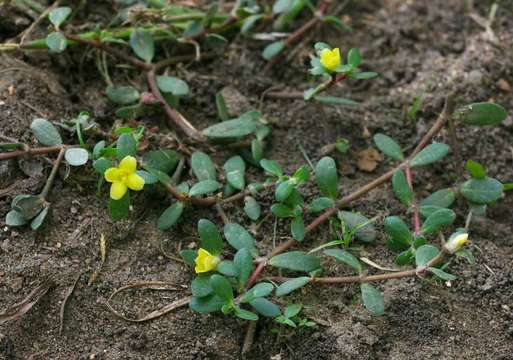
<point x="282" y="6"/>
<point x="443" y="198"/>
<point x="227" y="268"/>
<point x="76" y="156"/>
<point x="482" y="191"/>
<point x="430" y="154"/>
<point x="194" y="28"/>
<point x="119" y="209"/>
<point x="234" y="170"/>
<point x="221" y="287"/>
<point x="170" y="216"/>
<point x="265" y="307"/>
<point x="288" y="16"/>
<point x="507" y="186"/>
<point x="484" y="113"/>
<point x="271" y="167"/>
<point x="249" y="23"/>
<point x="364" y="75"/>
<point x="126" y="146"/>
<point x="222" y="109"/>
<point x="292" y="285"/>
<point x="101" y="165"/>
<point x="122" y="95"/>
<point x="320" y="204"/>
<point x="208" y="304"/>
<point x="284" y="189"/>
<point x="98" y="149"/>
<point x="204" y="187"/>
<point x="203" y="166"/>
<point x="45" y="132"/>
<point x="404" y="258"/>
<point x="467" y="255"/>
<point x="292" y="310"/>
<point x="345" y="257"/>
<point x="28" y="205"/>
<point x="15" y="218"/>
<point x="243" y="262"/>
<point x="326" y="177"/>
<point x="438" y="220"/>
<point x="173" y="85"/>
<point x="372" y="299"/>
<point x="297" y="228"/>
<point x="130" y="112"/>
<point x="424" y="254"/>
<point x="210" y="237"/>
<point x="56" y="42"/>
<point x="354" y="58"/>
<point x="400" y="235"/>
<point x="259" y="290"/>
<point x="401" y="188"/>
<point x="142" y="44"/>
<point x="388" y="146"/>
<point x="282" y="211"/>
<point x="252" y="208"/>
<point x="442" y="274"/>
<point x="58" y="15"/>
<point x="163" y="160"/>
<point x="236" y="128"/>
<point x="366" y="233"/>
<point x="189" y="256"/>
<point x="296" y="260"/>
<point x="426" y="210"/>
<point x="238" y="237"/>
<point x="200" y="286"/>
<point x="475" y="169"/>
<point x="273" y="49"/>
<point x="245" y="314"/>
<point x="302" y="174"/>
<point x="39" y="219"/>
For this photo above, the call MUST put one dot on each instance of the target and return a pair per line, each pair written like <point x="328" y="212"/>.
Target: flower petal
<point x="117" y="190"/>
<point x="129" y="164"/>
<point x="205" y="261"/>
<point x="112" y="174"/>
<point x="134" y="182"/>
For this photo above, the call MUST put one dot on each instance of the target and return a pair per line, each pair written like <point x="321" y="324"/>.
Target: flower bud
<point x="456" y="241"/>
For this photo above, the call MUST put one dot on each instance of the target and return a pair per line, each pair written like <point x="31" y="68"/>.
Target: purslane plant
<point x="230" y="270"/>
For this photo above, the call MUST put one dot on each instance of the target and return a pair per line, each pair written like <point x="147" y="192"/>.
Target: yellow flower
<point x="456" y="241"/>
<point x="124" y="177"/>
<point x="330" y="59"/>
<point x="205" y="261"/>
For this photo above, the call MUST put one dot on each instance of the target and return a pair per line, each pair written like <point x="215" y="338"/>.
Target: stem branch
<point x="53" y="173"/>
<point x="369" y="278"/>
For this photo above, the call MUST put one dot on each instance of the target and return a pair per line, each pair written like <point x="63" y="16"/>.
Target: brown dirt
<point x="417" y="46"/>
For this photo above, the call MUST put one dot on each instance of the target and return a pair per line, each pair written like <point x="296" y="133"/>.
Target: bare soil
<point x="418" y="47"/>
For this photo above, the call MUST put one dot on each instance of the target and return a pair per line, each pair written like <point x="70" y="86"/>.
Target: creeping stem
<point x="369" y="278"/>
<point x="53" y="173"/>
<point x="413" y="205"/>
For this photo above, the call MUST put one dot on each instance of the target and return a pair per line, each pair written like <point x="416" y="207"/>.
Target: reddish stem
<point x="254" y="277"/>
<point x="30" y="151"/>
<point x="177" y="118"/>
<point x="368" y="278"/>
<point x="296" y="35"/>
<point x="414" y="207"/>
<point x="99" y="45"/>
